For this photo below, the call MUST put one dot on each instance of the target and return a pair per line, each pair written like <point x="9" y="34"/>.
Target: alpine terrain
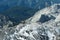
<point x="44" y="25"/>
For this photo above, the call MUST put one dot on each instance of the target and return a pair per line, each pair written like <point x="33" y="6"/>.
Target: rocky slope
<point x="44" y="25"/>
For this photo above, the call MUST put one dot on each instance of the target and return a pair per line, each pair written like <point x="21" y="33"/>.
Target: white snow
<point x="33" y="30"/>
<point x="57" y="18"/>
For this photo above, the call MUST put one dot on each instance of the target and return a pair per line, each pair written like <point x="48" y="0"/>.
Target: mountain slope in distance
<point x="33" y="30"/>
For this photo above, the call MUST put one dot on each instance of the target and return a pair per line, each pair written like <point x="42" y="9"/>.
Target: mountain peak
<point x="51" y="12"/>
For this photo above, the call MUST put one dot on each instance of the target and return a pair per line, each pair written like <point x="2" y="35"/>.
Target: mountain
<point x="19" y="13"/>
<point x="34" y="4"/>
<point x="47" y="13"/>
<point x="20" y="10"/>
<point x="34" y="29"/>
<point x="4" y="20"/>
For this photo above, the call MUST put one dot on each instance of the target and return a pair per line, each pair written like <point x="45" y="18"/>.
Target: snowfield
<point x="44" y="25"/>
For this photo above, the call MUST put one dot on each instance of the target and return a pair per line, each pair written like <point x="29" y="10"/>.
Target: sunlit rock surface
<point x="44" y="25"/>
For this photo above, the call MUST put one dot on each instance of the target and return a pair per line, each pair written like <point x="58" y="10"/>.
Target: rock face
<point x="45" y="18"/>
<point x="41" y="26"/>
<point x="4" y="20"/>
